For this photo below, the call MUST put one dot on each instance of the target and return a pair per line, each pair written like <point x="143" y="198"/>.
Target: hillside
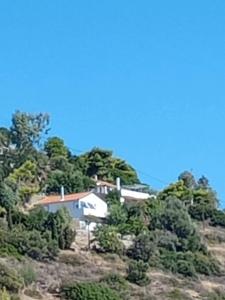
<point x="80" y="265"/>
<point x="170" y="246"/>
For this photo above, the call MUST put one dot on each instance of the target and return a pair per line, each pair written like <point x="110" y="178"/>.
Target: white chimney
<point x="118" y="187"/>
<point x="62" y="193"/>
<point x="96" y="177"/>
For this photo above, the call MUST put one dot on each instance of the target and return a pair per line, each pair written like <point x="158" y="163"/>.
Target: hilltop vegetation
<point x="162" y="233"/>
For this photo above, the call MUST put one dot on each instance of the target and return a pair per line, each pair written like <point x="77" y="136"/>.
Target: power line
<point x="152" y="177"/>
<point x="146" y="174"/>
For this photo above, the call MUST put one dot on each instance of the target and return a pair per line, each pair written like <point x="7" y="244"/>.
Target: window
<point x="75" y="205"/>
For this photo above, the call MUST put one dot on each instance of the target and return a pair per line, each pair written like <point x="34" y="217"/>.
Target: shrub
<point x="143" y="247"/>
<point x="178" y="262"/>
<point x="217" y="294"/>
<point x="33" y="244"/>
<point x="33" y="293"/>
<point x="167" y="240"/>
<point x="186" y="268"/>
<point x="206" y="265"/>
<point x="4" y="295"/>
<point x="89" y="291"/>
<point x="168" y="260"/>
<point x="117" y="215"/>
<point x="108" y="239"/>
<point x="137" y="272"/>
<point x="177" y="294"/>
<point x="28" y="274"/>
<point x="218" y="218"/>
<point x="116" y="282"/>
<point x="10" y="279"/>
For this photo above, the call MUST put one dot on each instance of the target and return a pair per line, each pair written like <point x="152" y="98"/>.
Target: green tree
<point x="72" y="180"/>
<point x="117" y="215"/>
<point x="204" y="204"/>
<point x="102" y="163"/>
<point x="143" y="248"/>
<point x="55" y="147"/>
<point x="178" y="190"/>
<point x="27" y="129"/>
<point x="25" y="179"/>
<point x="188" y="179"/>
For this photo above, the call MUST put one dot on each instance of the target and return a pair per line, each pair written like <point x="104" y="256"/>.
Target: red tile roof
<point x="58" y="199"/>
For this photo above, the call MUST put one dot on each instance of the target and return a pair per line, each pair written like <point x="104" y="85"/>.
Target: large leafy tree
<point x="55" y="147"/>
<point x="102" y="163"/>
<point x="27" y="129"/>
<point x="188" y="179"/>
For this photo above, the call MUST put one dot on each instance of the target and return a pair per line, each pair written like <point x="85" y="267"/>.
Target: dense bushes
<point x="188" y="263"/>
<point x="218" y="218"/>
<point x="10" y="279"/>
<point x="117" y="283"/>
<point x="137" y="272"/>
<point x="143" y="247"/>
<point x="108" y="240"/>
<point x="169" y="238"/>
<point x="89" y="291"/>
<point x="39" y="234"/>
<point x="4" y="295"/>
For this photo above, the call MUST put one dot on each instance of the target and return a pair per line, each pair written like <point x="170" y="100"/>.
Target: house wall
<point x="89" y="205"/>
<point x="133" y="194"/>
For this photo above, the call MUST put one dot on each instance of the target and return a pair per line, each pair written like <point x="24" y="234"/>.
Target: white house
<point x="79" y="205"/>
<point x="127" y="193"/>
<point x="91" y="204"/>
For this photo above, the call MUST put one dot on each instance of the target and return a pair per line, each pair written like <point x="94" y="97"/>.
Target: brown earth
<point x="82" y="265"/>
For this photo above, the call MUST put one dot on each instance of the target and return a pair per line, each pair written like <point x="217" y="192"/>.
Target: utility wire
<point x="146" y="174"/>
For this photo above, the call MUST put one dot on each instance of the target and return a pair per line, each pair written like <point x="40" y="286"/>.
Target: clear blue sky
<point x="144" y="78"/>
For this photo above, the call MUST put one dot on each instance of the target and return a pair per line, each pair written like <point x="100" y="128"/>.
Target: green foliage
<point x="25" y="178"/>
<point x="137" y="272"/>
<point x="113" y="198"/>
<point x="27" y="129"/>
<point x="28" y="274"/>
<point x="206" y="264"/>
<point x="102" y="163"/>
<point x="143" y="247"/>
<point x="9" y="279"/>
<point x="89" y="291"/>
<point x="176" y="219"/>
<point x="55" y="147"/>
<point x="108" y="240"/>
<point x="216" y="295"/>
<point x="188" y="179"/>
<point x="177" y="190"/>
<point x="188" y="263"/>
<point x="73" y="181"/>
<point x="218" y="218"/>
<point x="39" y="234"/>
<point x="165" y="234"/>
<point x="177" y="294"/>
<point x="4" y="295"/>
<point x="117" y="283"/>
<point x="8" y="198"/>
<point x="204" y="204"/>
<point x="33" y="244"/>
<point x="117" y="215"/>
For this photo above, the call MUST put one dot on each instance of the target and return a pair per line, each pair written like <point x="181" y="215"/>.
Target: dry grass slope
<point x="81" y="265"/>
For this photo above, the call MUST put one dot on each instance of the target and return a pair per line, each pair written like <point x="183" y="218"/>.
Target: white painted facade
<point x="134" y="194"/>
<point x="90" y="205"/>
